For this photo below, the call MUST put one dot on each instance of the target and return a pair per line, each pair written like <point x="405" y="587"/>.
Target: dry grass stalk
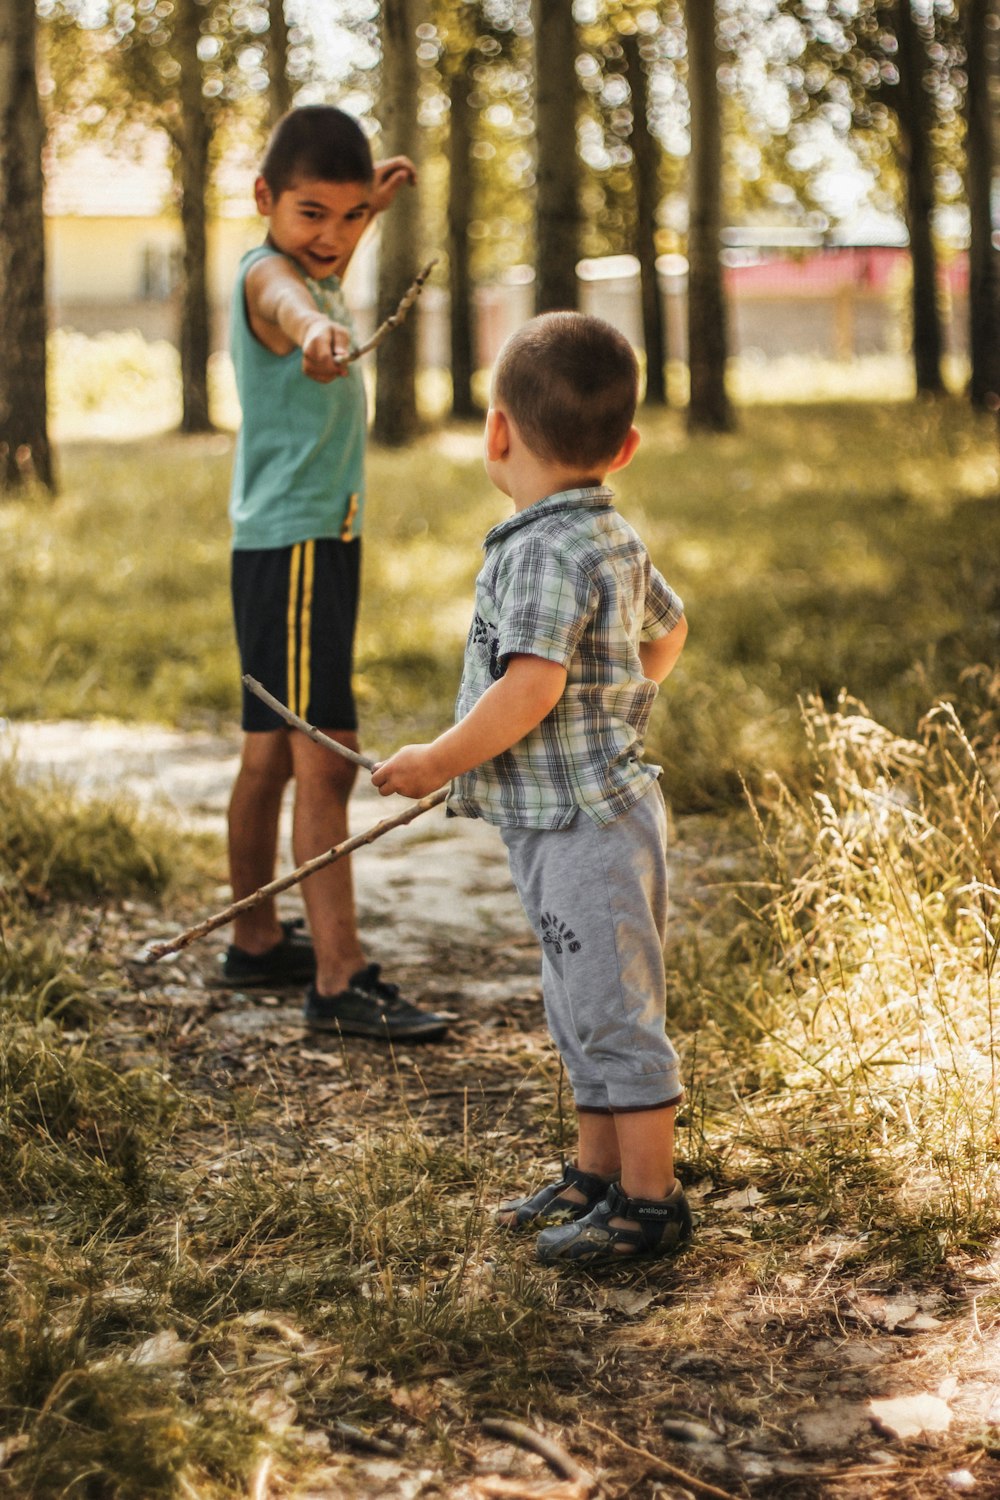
<point x="660" y="1465"/>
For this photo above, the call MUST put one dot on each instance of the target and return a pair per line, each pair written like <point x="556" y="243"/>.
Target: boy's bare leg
<point x="640" y="1144"/>
<point x="254" y="811"/>
<point x="323" y="783"/>
<point x="646" y="1144"/>
<point x="597" y="1146"/>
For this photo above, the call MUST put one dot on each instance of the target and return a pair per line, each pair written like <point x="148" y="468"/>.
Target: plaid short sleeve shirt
<point x="570" y="581"/>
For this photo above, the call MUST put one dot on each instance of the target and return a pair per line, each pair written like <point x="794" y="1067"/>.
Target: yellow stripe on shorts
<point x="305" y="626"/>
<point x="347" y="529"/>
<point x="293" y="591"/>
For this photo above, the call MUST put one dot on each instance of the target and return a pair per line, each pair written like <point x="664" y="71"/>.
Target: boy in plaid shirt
<point x="572" y="632"/>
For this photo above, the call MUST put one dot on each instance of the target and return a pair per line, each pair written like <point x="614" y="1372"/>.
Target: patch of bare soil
<point x="755" y="1364"/>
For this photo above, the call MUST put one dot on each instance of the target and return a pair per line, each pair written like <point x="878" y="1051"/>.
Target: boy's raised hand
<point x="324" y="348"/>
<point x="390" y="175"/>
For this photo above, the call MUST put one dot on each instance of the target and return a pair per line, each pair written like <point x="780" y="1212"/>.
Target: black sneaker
<point x="370" y="1007"/>
<point x="290" y="962"/>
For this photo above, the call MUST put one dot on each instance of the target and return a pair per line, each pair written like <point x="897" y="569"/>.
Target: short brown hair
<point x="316" y="141"/>
<point x="569" y="382"/>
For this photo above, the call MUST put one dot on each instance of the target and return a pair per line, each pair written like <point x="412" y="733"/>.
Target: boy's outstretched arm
<point x="529" y="689"/>
<point x="283" y="315"/>
<point x="659" y="657"/>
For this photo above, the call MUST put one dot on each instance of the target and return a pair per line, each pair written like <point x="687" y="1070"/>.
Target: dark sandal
<point x="548" y="1206"/>
<point x="663" y="1225"/>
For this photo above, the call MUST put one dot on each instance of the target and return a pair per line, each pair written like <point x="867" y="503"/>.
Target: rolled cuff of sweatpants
<point x="628" y="1095"/>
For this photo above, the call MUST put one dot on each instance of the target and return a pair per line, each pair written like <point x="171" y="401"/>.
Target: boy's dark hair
<point x="569" y="383"/>
<point x="317" y="141"/>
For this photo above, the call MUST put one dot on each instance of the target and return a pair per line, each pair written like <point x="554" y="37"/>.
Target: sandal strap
<point x="549" y="1200"/>
<point x="653" y="1215"/>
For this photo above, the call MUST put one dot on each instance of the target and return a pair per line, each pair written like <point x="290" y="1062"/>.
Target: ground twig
<point x="526" y="1437"/>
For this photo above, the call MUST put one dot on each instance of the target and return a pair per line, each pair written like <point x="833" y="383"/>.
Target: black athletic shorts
<point x="295" y="610"/>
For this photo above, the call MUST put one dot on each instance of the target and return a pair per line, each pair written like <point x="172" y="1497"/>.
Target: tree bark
<point x="279" y="89"/>
<point x="459" y="213"/>
<point x="396" y="416"/>
<point x="645" y="157"/>
<point x="920" y="202"/>
<point x="984" y="276"/>
<point x="24" y="442"/>
<point x="708" y="343"/>
<point x="557" y="214"/>
<point x="192" y="144"/>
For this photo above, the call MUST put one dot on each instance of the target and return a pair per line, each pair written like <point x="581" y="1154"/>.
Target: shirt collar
<point x="587" y="497"/>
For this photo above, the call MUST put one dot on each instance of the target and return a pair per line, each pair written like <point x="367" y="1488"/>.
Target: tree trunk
<point x="459" y="213"/>
<point x="191" y="175"/>
<point x="920" y="202"/>
<point x="984" y="279"/>
<point x="24" y="440"/>
<point x="557" y="214"/>
<point x="708" y="347"/>
<point x="645" y="156"/>
<point x="279" y="89"/>
<point x="396" y="416"/>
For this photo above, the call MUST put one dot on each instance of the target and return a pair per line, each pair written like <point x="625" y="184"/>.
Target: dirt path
<point x="747" y="1367"/>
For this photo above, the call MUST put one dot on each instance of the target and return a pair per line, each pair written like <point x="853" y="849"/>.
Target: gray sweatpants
<point x="597" y="900"/>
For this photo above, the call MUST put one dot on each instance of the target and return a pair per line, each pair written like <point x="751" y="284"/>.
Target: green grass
<point x="833" y="971"/>
<point x="819" y="548"/>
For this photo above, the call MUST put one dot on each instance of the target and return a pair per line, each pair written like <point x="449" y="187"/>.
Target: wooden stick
<point x="526" y="1437"/>
<point x="406" y="302"/>
<point x="661" y="1465"/>
<point x="316" y="735"/>
<point x="318" y="862"/>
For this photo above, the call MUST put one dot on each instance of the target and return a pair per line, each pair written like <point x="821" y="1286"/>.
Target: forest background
<point x="201" y="1295"/>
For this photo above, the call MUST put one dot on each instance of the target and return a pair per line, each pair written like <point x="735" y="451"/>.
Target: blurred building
<point x="114" y="260"/>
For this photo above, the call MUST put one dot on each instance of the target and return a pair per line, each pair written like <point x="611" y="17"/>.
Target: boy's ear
<point x="263" y="197"/>
<point x="497" y="435"/>
<point x="626" y="452"/>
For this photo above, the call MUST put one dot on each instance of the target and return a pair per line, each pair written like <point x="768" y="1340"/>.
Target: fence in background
<point x="830" y="304"/>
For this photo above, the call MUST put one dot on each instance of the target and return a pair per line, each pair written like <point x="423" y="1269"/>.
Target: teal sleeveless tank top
<point x="298" y="472"/>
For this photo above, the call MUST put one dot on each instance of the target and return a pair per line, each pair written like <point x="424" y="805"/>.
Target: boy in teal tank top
<point x="296" y="505"/>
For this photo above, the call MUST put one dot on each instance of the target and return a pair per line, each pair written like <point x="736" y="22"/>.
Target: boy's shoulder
<point x="586" y="536"/>
<point x="253" y="257"/>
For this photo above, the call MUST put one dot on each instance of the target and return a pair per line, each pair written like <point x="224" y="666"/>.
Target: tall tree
<point x="916" y="125"/>
<point x="279" y="89"/>
<point x="557" y="214"/>
<point x="460" y="188"/>
<point x="396" y="416"/>
<point x="176" y="68"/>
<point x="191" y="135"/>
<point x="984" y="273"/>
<point x="24" y="440"/>
<point x="892" y="70"/>
<point x="708" y="343"/>
<point x="645" y="156"/>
